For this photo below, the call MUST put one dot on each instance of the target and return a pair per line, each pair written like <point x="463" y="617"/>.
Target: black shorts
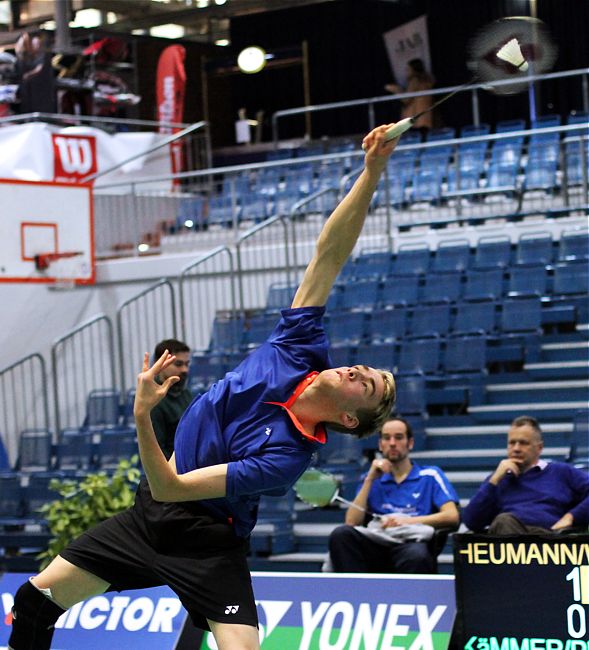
<point x="176" y="544"/>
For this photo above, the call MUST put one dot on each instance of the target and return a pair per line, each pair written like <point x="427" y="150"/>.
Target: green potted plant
<point x="85" y="503"/>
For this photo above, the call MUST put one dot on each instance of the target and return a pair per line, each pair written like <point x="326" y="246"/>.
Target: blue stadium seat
<point x="442" y="133"/>
<point x="429" y="320"/>
<point x="346" y="327"/>
<point x="502" y="177"/>
<point x="411" y="259"/>
<point x="361" y="294"/>
<point x="392" y="189"/>
<point x="34" y="451"/>
<point x="521" y="315"/>
<point x="534" y="248"/>
<point x="38" y="493"/>
<point x="427" y="185"/>
<point x="399" y="290"/>
<point x="472" y="130"/>
<point x="411" y="399"/>
<point x="74" y="450"/>
<point x="377" y="355"/>
<point x="205" y="369"/>
<point x="466" y="180"/>
<point x="466" y="354"/>
<point x="541" y="175"/>
<point x="342" y="355"/>
<point x="528" y="280"/>
<point x="492" y="251"/>
<point x="228" y="333"/>
<point x="442" y="286"/>
<point x="222" y="212"/>
<point x="103" y="408"/>
<point x="373" y="264"/>
<point x="545" y="121"/>
<point x="388" y="324"/>
<point x="11" y="501"/>
<point x="114" y="446"/>
<point x="475" y="316"/>
<point x="483" y="283"/>
<point x="280" y="296"/>
<point x="420" y="356"/>
<point x="334" y="300"/>
<point x="254" y="208"/>
<point x="506" y="126"/>
<point x="573" y="245"/>
<point x="452" y="255"/>
<point x="571" y="278"/>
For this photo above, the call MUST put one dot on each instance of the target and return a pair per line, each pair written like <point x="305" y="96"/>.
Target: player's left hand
<point x="149" y="392"/>
<point x="392" y="521"/>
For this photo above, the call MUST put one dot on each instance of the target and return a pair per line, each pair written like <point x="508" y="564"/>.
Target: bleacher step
<point x="493" y="429"/>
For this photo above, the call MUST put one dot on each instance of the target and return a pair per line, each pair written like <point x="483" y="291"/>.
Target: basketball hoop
<point x="63" y="281"/>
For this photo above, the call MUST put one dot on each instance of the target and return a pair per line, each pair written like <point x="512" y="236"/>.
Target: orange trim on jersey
<point x="320" y="434"/>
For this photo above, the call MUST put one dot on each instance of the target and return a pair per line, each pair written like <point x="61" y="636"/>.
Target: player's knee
<point x="33" y="619"/>
<point x="341" y="535"/>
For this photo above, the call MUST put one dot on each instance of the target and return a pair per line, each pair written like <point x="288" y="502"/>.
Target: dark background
<point x="348" y="60"/>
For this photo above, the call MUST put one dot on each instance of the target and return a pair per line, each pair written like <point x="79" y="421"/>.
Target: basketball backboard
<point x="46" y="232"/>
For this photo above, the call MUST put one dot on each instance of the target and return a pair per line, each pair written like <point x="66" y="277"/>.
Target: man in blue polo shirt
<point x="403" y="494"/>
<point x="253" y="433"/>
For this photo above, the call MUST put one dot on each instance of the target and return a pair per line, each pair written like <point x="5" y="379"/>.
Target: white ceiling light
<point x="251" y="59"/>
<point x="222" y="42"/>
<point x="87" y="18"/>
<point x="170" y="30"/>
<point x="220" y="2"/>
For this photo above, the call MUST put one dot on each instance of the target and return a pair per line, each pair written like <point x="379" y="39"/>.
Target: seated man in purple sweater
<point x="526" y="494"/>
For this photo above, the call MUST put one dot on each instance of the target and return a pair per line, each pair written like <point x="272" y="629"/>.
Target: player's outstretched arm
<point x="341" y="231"/>
<point x="165" y="484"/>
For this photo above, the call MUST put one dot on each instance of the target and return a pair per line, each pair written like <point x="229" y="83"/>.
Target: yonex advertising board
<point x="297" y="611"/>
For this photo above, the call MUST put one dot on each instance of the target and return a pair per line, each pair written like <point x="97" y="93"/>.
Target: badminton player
<point x="252" y="433"/>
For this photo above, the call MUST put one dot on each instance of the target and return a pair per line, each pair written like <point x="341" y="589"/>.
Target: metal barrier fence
<point x="81" y="361"/>
<point x="262" y="258"/>
<point x="370" y="103"/>
<point x="24" y="400"/>
<point x="142" y="321"/>
<point x="206" y="286"/>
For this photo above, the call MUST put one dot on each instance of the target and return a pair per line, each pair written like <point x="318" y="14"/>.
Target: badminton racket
<point x="320" y="489"/>
<point x="502" y="49"/>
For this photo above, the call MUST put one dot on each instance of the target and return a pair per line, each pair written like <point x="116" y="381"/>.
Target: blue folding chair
<point x="377" y="355"/>
<point x="521" y="315"/>
<point x="528" y="280"/>
<point x="492" y="251"/>
<point x="483" y="284"/>
<point x="347" y="328"/>
<point x="373" y="264"/>
<point x="399" y="290"/>
<point x="452" y="255"/>
<point x="387" y="325"/>
<point x="74" y="451"/>
<point x="227" y="334"/>
<point x="34" y="451"/>
<point x="103" y="408"/>
<point x="573" y="245"/>
<point x="411" y="259"/>
<point x="420" y="356"/>
<point x="411" y="397"/>
<point x="571" y="278"/>
<point x="360" y="294"/>
<point x="475" y="316"/>
<point x="466" y="354"/>
<point x="534" y="248"/>
<point x="442" y="286"/>
<point x="428" y="320"/>
<point x="280" y="296"/>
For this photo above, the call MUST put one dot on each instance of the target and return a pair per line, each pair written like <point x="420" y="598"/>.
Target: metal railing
<point x="82" y="360"/>
<point x="371" y="102"/>
<point x="142" y="321"/>
<point x="206" y="286"/>
<point x="23" y="400"/>
<point x="262" y="258"/>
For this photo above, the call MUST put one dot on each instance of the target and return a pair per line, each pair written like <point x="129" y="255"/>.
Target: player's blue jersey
<point x="235" y="423"/>
<point x="423" y="492"/>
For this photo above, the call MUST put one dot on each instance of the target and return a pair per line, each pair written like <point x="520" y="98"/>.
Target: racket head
<point x="535" y="42"/>
<point x="316" y="488"/>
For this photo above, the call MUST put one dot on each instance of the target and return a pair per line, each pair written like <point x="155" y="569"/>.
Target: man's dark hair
<point x="528" y="421"/>
<point x="171" y="345"/>
<point x="398" y="418"/>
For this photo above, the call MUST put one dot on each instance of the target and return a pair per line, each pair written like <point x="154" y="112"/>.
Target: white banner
<point x="27" y="153"/>
<point x="406" y="42"/>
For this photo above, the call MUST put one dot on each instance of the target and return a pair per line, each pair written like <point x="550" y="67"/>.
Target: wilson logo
<point x="74" y="157"/>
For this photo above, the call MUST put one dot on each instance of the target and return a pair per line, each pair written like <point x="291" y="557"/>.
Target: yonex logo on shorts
<point x="268" y="431"/>
<point x="231" y="609"/>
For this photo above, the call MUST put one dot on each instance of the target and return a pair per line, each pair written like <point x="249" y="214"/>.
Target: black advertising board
<point x="522" y="592"/>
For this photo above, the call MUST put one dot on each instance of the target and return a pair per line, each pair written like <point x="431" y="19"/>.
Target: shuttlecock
<point x="512" y="53"/>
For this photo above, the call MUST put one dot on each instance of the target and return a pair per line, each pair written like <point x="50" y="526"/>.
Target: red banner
<point x="74" y="157"/>
<point x="170" y="90"/>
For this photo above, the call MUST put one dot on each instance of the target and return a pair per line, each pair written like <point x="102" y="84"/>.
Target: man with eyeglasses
<point x="166" y="415"/>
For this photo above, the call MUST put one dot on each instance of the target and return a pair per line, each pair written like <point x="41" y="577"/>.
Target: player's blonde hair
<point x="371" y="420"/>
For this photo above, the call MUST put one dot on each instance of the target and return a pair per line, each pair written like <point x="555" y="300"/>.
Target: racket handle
<point x="400" y="127"/>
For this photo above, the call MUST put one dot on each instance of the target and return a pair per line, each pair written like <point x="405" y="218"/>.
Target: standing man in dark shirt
<point x="166" y="415"/>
